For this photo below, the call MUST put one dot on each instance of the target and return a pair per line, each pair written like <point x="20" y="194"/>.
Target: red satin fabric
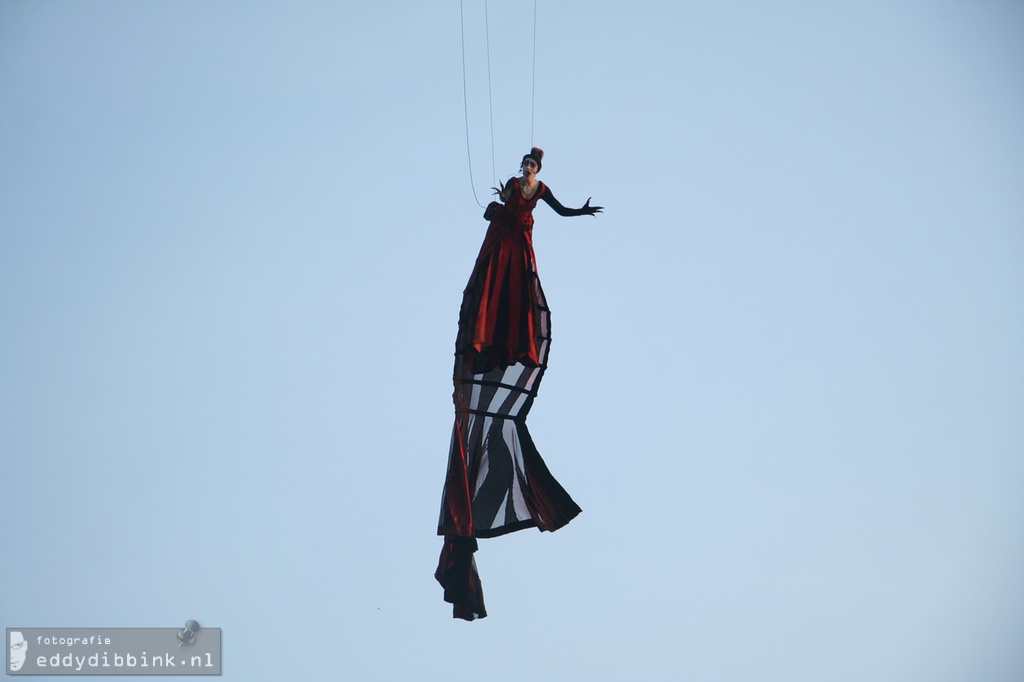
<point x="497" y="482"/>
<point x="499" y="326"/>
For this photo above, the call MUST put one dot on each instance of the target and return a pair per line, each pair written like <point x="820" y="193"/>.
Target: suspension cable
<point x="465" y="106"/>
<point x="533" y="85"/>
<point x="490" y="99"/>
<point x="490" y="103"/>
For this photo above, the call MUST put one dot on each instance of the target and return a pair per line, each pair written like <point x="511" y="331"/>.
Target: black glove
<point x="590" y="210"/>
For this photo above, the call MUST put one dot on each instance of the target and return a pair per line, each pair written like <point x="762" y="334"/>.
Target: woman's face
<point x="529" y="168"/>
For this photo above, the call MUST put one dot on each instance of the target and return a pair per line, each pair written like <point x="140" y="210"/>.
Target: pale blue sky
<point x="786" y="381"/>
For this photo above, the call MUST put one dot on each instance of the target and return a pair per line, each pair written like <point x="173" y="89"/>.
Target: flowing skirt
<point x="497" y="482"/>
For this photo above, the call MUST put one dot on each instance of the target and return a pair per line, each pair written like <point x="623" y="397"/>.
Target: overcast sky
<point x="786" y="382"/>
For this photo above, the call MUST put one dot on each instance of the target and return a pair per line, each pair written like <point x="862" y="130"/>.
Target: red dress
<point x="497" y="482"/>
<point x="499" y="324"/>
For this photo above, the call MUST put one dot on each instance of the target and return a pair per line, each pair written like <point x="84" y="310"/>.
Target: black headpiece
<point x="536" y="154"/>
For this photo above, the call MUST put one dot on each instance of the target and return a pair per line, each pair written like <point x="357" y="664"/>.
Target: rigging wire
<point x="533" y="84"/>
<point x="465" y="107"/>
<point x="490" y="101"/>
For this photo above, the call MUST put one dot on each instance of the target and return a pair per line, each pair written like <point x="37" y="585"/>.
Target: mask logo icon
<point x="19" y="648"/>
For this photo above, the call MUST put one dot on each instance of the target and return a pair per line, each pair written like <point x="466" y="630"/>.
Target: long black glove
<point x="549" y="198"/>
<point x="587" y="209"/>
<point x="493" y="207"/>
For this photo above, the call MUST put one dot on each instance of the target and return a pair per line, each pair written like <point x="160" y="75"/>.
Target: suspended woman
<point x="497" y="482"/>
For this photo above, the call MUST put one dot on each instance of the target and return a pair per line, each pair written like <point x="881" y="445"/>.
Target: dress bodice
<point x="519" y="208"/>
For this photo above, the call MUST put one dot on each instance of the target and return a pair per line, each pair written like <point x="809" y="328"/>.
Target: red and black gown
<point x="497" y="482"/>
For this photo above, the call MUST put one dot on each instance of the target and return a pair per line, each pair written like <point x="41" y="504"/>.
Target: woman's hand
<point x="503" y="190"/>
<point x="590" y="210"/>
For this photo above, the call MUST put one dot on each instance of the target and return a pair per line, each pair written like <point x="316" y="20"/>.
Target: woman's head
<point x="536" y="155"/>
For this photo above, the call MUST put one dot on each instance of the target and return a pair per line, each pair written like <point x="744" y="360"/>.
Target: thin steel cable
<point x="533" y="86"/>
<point x="490" y="104"/>
<point x="465" y="107"/>
<point x="490" y="98"/>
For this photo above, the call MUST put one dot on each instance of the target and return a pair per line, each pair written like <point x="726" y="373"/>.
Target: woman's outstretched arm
<point x="555" y="204"/>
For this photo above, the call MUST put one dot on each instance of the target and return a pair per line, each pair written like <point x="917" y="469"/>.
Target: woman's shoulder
<point x="512" y="184"/>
